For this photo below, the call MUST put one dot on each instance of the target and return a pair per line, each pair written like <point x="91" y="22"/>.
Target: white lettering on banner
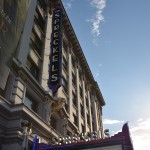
<point x="55" y="43"/>
<point x="56" y="34"/>
<point x="53" y="68"/>
<point x="55" y="58"/>
<point x="54" y="77"/>
<point x="57" y="15"/>
<point x="56" y="21"/>
<point x="56" y="48"/>
<point x="56" y="27"/>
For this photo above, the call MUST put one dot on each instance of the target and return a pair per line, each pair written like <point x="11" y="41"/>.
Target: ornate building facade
<point x="27" y="100"/>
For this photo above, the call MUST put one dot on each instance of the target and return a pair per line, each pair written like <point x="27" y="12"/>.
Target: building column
<point x="25" y="37"/>
<point x="48" y="111"/>
<point x="70" y="83"/>
<point x="84" y="105"/>
<point x="89" y="104"/>
<point x="46" y="54"/>
<point x="101" y="124"/>
<point x="78" y="100"/>
<point x="95" y="113"/>
<point x="18" y="91"/>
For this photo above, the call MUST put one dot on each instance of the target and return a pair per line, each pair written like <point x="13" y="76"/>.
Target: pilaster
<point x="70" y="83"/>
<point x="95" y="112"/>
<point x="46" y="51"/>
<point x="89" y="104"/>
<point x="78" y="100"/>
<point x="18" y="91"/>
<point x="84" y="105"/>
<point x="101" y="124"/>
<point x="24" y="45"/>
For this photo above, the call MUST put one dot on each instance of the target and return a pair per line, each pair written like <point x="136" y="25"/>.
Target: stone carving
<point x="53" y="106"/>
<point x="57" y="104"/>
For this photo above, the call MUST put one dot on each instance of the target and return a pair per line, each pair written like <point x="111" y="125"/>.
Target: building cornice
<point x="80" y="55"/>
<point x="67" y="26"/>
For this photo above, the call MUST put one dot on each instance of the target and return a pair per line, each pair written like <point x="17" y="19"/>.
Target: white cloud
<point x="97" y="74"/>
<point x="98" y="17"/>
<point x="110" y="121"/>
<point x="140" y="134"/>
<point x="68" y="4"/>
<point x="100" y="65"/>
<point x="139" y="120"/>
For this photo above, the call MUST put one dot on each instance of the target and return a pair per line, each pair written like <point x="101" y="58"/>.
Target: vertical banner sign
<point x="54" y="81"/>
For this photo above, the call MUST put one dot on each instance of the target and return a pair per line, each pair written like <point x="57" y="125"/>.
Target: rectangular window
<point x="88" y="119"/>
<point x="91" y="110"/>
<point x="32" y="46"/>
<point x="40" y="25"/>
<point x="75" y="121"/>
<point x="40" y="19"/>
<point x="30" y="103"/>
<point x="38" y="31"/>
<point x="87" y="102"/>
<point x="82" y="110"/>
<point x="65" y="63"/>
<point x="66" y="106"/>
<point x="93" y="126"/>
<point x="81" y="92"/>
<point x="65" y="85"/>
<point x="73" y="79"/>
<point x="65" y="48"/>
<point x="74" y="99"/>
<point x="42" y="4"/>
<point x="42" y="7"/>
<point x="35" y="43"/>
<point x="80" y="75"/>
<point x="83" y="128"/>
<point x="73" y="62"/>
<point x="33" y="69"/>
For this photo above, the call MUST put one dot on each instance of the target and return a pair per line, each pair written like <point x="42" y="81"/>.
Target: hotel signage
<point x="91" y="141"/>
<point x="82" y="137"/>
<point x="56" y="51"/>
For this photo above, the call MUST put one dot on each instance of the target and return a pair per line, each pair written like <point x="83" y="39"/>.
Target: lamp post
<point x="26" y="132"/>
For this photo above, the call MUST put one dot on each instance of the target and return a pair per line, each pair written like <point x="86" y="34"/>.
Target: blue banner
<point x="54" y="81"/>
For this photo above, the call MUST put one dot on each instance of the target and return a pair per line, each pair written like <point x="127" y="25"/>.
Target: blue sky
<point x="115" y="38"/>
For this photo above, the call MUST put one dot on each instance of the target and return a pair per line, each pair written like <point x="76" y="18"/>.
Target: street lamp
<point x="26" y="132"/>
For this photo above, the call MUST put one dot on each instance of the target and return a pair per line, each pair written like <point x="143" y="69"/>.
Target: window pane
<point x="33" y="69"/>
<point x="30" y="103"/>
<point x="82" y="110"/>
<point x="64" y="84"/>
<point x="73" y="79"/>
<point x="81" y="92"/>
<point x="65" y="63"/>
<point x="75" y="119"/>
<point x="74" y="98"/>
